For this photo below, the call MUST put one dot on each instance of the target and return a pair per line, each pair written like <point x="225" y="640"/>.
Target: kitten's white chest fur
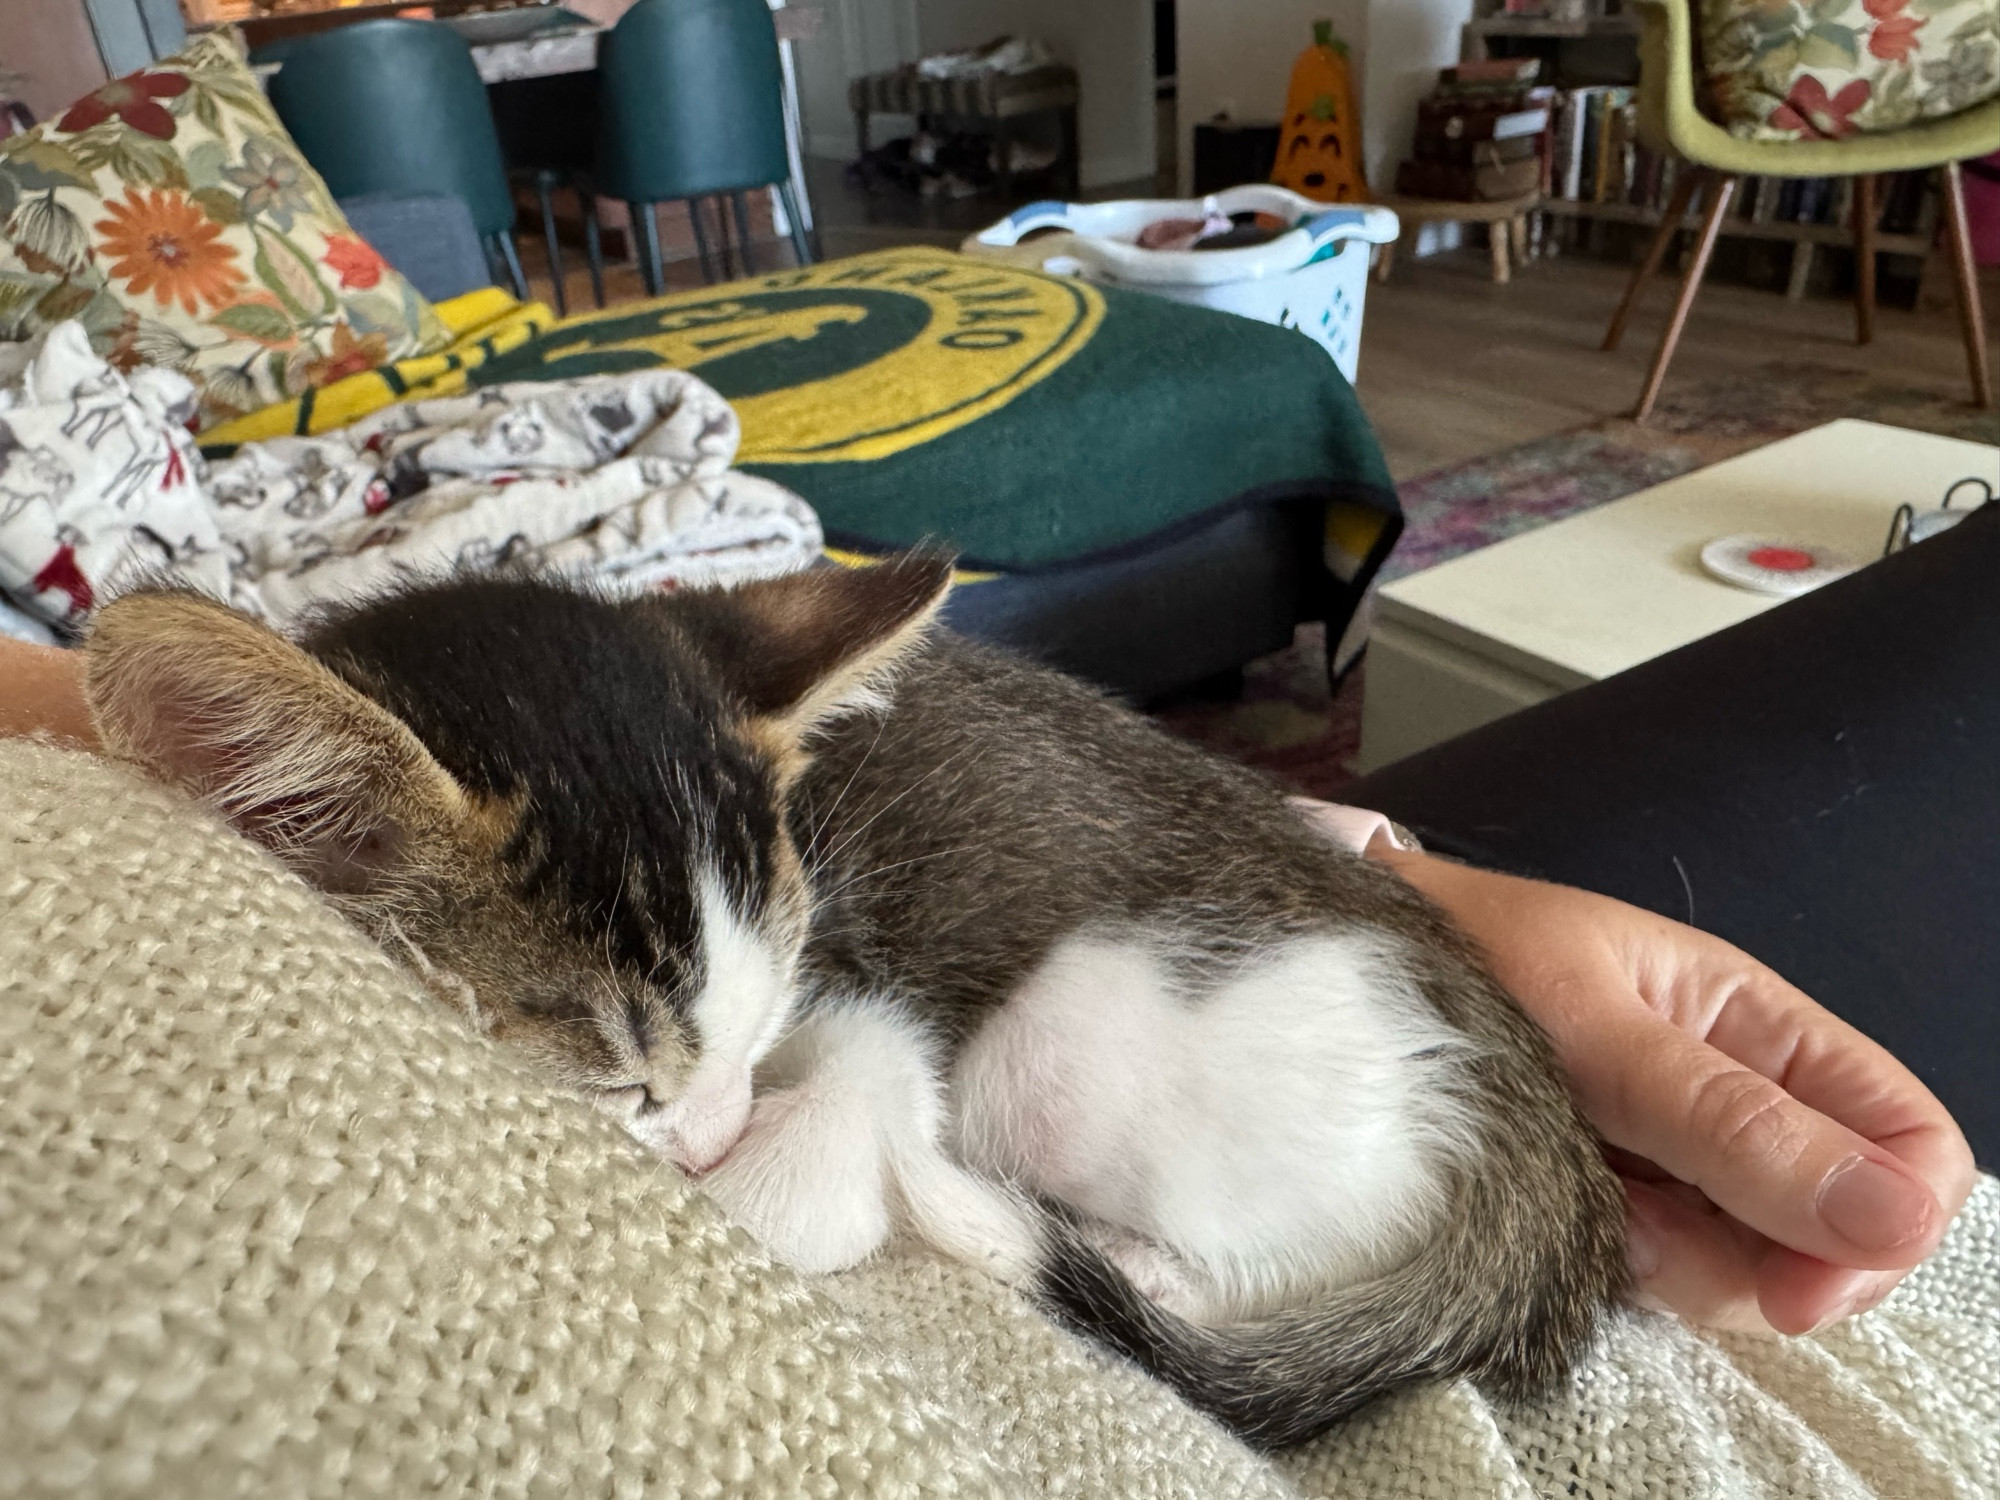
<point x="1287" y="1129"/>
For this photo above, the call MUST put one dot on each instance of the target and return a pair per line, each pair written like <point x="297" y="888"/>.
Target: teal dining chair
<point x="691" y="106"/>
<point x="397" y="107"/>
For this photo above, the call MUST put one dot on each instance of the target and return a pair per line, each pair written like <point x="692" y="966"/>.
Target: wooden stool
<point x="1506" y="219"/>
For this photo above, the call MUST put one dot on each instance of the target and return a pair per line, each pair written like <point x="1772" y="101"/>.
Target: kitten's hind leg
<point x="843" y="1141"/>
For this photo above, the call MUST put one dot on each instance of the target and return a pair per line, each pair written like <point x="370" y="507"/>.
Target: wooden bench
<point x="1506" y="219"/>
<point x="995" y="98"/>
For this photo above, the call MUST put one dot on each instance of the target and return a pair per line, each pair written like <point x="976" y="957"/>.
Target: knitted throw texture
<point x="274" y="1222"/>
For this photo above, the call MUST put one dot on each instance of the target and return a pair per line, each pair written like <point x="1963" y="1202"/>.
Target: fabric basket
<point x="1311" y="278"/>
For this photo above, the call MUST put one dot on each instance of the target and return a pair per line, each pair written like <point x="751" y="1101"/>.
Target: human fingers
<point x="1798" y="1294"/>
<point x="1690" y="1256"/>
<point x="1777" y="1165"/>
<point x="1774" y="1029"/>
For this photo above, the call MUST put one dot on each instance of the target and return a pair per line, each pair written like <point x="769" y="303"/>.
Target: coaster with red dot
<point x="1774" y="565"/>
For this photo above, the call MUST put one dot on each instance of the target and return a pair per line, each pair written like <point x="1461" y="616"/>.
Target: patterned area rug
<point x="1289" y="724"/>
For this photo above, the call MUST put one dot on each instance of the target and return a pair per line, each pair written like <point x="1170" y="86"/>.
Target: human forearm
<point x="41" y="691"/>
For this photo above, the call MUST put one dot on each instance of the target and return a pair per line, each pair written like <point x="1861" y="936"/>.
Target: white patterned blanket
<point x="623" y="477"/>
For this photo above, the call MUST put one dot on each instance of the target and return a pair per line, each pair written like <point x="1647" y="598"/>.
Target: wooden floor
<point x="1453" y="366"/>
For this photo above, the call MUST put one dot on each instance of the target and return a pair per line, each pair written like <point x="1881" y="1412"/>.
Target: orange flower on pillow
<point x="350" y="356"/>
<point x="162" y="242"/>
<point x="1894" y="37"/>
<point x="360" y="265"/>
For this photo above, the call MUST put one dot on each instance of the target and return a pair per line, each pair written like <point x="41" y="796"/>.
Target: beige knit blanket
<point x="272" y="1223"/>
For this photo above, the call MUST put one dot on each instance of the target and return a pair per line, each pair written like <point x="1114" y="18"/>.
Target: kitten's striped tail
<point x="1501" y="1294"/>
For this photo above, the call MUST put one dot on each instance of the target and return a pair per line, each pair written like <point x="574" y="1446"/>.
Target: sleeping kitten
<point x="1011" y="970"/>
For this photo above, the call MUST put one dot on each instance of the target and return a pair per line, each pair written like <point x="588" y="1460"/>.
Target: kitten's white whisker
<point x="834" y="853"/>
<point x="826" y="817"/>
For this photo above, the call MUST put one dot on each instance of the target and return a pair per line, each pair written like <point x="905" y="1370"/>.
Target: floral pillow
<point x="171" y="214"/>
<point x="1821" y="69"/>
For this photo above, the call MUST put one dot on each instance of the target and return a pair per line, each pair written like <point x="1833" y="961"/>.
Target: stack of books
<point x="1598" y="158"/>
<point x="1596" y="140"/>
<point x="1482" y="134"/>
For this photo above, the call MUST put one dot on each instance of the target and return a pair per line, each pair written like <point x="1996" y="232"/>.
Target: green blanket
<point x="1031" y="421"/>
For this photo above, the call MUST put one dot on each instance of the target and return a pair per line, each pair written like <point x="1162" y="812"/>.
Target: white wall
<point x="1408" y="41"/>
<point x="1108" y="42"/>
<point x="1237" y="56"/>
<point x="855" y="37"/>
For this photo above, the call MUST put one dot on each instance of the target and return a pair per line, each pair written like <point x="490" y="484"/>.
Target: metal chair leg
<point x="1711" y="228"/>
<point x="510" y="257"/>
<point x="700" y="240"/>
<point x="800" y="246"/>
<point x="749" y="255"/>
<point x="725" y="250"/>
<point x="593" y="238"/>
<point x="545" y="182"/>
<point x="649" y="248"/>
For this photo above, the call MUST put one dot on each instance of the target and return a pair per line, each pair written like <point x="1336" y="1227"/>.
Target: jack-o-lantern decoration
<point x="1319" y="149"/>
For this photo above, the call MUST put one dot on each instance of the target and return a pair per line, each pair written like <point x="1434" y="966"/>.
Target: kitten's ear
<point x="213" y="702"/>
<point x="807" y="647"/>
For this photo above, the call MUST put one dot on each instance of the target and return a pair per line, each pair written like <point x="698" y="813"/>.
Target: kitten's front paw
<point x="808" y="1184"/>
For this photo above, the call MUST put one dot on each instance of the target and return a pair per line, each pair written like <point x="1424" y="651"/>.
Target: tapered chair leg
<point x="1670" y="223"/>
<point x="510" y="257"/>
<point x="1720" y="194"/>
<point x="650" y="270"/>
<point x="593" y="240"/>
<point x="1971" y="316"/>
<point x="1864" y="259"/>
<point x="545" y="182"/>
<point x="700" y="239"/>
<point x="749" y="256"/>
<point x="801" y="247"/>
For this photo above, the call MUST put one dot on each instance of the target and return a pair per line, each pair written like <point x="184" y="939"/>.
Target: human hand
<point x="1782" y="1171"/>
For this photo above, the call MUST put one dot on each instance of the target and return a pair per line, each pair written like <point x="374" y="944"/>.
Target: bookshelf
<point x="1810" y="234"/>
<point x="1480" y="33"/>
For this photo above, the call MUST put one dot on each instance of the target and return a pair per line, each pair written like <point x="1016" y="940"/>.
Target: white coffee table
<point x="1510" y="625"/>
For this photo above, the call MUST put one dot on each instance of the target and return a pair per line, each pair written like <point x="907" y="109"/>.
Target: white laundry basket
<point x="1312" y="278"/>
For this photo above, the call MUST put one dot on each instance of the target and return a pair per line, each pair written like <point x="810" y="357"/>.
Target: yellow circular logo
<point x="853" y="359"/>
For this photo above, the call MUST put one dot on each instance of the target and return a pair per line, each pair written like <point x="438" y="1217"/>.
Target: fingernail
<point x="1873" y="1207"/>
